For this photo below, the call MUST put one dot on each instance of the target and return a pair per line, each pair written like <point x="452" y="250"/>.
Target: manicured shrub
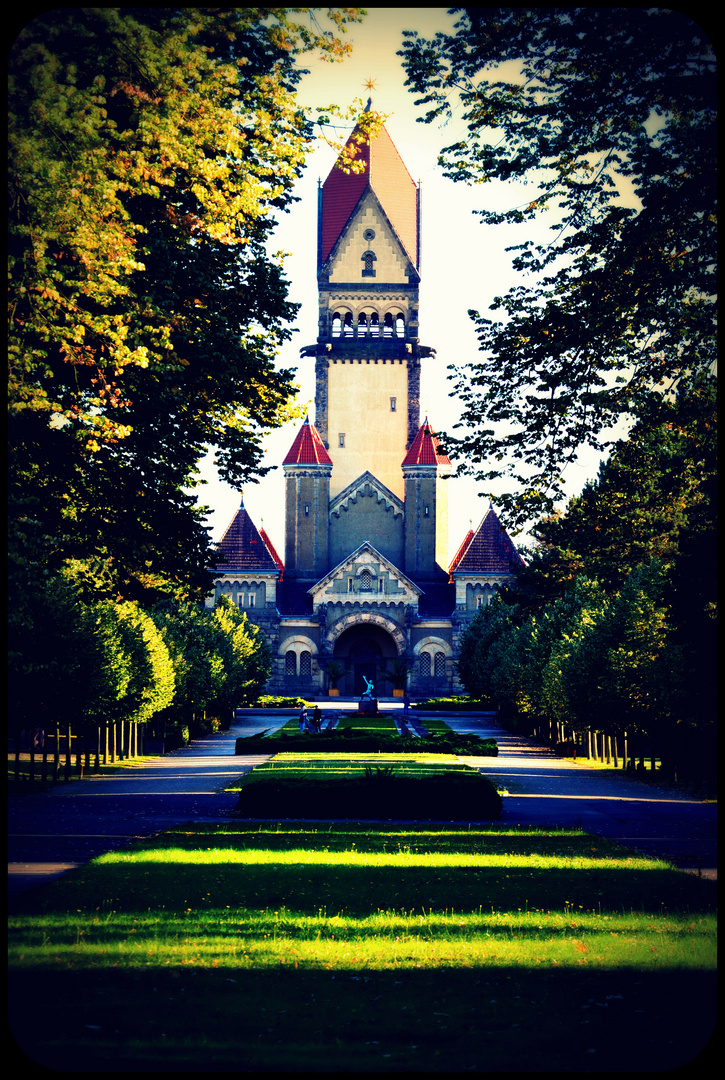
<point x="443" y="796"/>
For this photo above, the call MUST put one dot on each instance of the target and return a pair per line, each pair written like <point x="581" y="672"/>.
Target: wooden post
<point x="113" y="743"/>
<point x="624" y="751"/>
<point x="589" y="743"/>
<point x="105" y="742"/>
<point x="615" y="761"/>
<point x="44" y="768"/>
<point x="56" y="755"/>
<point x="67" y="754"/>
<point x="79" y="757"/>
<point x="17" y="756"/>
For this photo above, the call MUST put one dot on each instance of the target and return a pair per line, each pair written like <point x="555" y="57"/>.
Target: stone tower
<point x="365" y="586"/>
<point x="367" y="399"/>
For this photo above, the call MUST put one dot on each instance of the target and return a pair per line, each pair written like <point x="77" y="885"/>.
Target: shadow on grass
<point x="363" y="889"/>
<point x="506" y="1020"/>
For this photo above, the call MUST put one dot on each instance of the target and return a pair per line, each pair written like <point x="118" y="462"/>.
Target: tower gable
<point x="368" y="249"/>
<point x="366" y="508"/>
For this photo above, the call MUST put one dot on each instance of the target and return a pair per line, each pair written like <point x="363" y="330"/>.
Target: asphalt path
<point x="53" y="833"/>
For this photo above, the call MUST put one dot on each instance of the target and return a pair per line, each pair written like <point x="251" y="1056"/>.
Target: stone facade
<point x="365" y="581"/>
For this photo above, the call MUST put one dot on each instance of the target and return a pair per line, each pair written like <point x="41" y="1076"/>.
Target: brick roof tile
<point x="243" y="548"/>
<point x="490" y="551"/>
<point x="424" y="449"/>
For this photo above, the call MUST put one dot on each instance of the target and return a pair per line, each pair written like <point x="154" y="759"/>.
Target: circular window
<point x="369" y="234"/>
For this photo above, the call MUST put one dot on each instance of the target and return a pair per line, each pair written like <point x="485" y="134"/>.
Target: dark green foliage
<point x="609" y="115"/>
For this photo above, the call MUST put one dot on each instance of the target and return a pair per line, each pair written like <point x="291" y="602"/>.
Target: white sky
<point x="464" y="264"/>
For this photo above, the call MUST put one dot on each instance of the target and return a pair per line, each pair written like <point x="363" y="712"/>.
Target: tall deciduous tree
<point x="150" y="149"/>
<point x="610" y="115"/>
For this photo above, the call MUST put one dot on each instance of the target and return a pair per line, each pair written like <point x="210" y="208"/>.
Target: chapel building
<point x="365" y="579"/>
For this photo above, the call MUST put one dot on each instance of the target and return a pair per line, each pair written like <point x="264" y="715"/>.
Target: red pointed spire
<point x="424" y="450"/>
<point x="385" y="172"/>
<point x="308" y="448"/>
<point x="272" y="551"/>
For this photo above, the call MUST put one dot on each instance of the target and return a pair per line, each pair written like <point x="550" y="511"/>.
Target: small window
<point x="305" y="665"/>
<point x="425" y="665"/>
<point x="366" y="581"/>
<point x="426" y="512"/>
<point x="393" y="404"/>
<point x="341" y="437"/>
<point x="439" y="665"/>
<point x="381" y="585"/>
<point x="252" y="599"/>
<point x="480" y="600"/>
<point x="307" y="509"/>
<point x="240" y="599"/>
<point x="368" y="269"/>
<point x="369" y="234"/>
<point x="290" y="663"/>
<point x="350" y="587"/>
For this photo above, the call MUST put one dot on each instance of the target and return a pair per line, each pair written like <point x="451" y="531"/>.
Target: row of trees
<point x="87" y="662"/>
<point x="150" y="152"/>
<point x="100" y="663"/>
<point x="611" y="627"/>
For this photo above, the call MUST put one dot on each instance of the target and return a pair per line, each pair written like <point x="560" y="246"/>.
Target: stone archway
<point x="367" y="650"/>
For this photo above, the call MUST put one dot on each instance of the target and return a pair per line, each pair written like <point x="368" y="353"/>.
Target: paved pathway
<point x="52" y="833"/>
<point x="543" y="789"/>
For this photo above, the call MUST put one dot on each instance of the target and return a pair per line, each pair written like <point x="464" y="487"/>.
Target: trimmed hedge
<point x="357" y="741"/>
<point x="444" y="796"/>
<point x="455" y="705"/>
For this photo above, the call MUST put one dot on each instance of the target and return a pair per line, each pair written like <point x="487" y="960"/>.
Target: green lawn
<point x="343" y="948"/>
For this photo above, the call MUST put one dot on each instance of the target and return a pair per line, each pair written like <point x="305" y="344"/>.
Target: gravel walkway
<point x="55" y="832"/>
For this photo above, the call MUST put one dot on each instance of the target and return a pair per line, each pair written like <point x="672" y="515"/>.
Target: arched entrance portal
<point x="366" y="651"/>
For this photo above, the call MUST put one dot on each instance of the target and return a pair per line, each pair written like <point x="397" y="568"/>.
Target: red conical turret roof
<point x="424" y="450"/>
<point x="308" y="448"/>
<point x="384" y="171"/>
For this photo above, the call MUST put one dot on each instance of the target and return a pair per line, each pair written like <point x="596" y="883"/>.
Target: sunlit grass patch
<point x="347" y="947"/>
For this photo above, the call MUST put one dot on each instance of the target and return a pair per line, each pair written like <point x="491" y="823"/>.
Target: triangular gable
<point x="349" y="493"/>
<point x="328" y="265"/>
<point x="365" y="554"/>
<point x="489" y="551"/>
